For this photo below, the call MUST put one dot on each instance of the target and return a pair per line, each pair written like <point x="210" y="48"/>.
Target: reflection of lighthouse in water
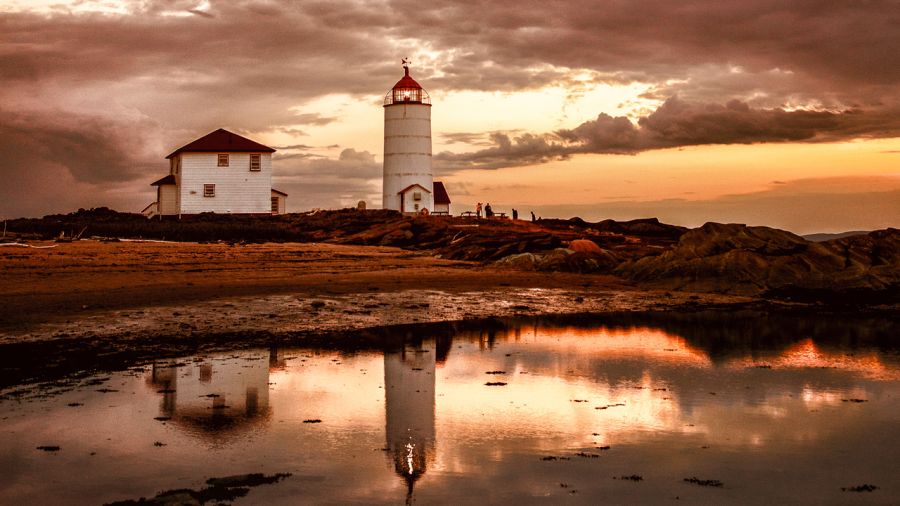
<point x="409" y="410"/>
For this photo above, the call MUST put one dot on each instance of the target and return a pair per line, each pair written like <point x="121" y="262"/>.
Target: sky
<point x="784" y="114"/>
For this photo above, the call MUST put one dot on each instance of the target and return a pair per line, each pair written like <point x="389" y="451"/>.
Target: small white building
<point x="414" y="198"/>
<point x="279" y="201"/>
<point x="222" y="173"/>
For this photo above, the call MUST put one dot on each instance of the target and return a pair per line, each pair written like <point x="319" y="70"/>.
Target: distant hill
<point x="828" y="237"/>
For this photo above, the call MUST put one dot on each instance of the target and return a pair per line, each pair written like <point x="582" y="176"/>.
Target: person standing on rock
<point x="488" y="212"/>
<point x="478" y="210"/>
<point x="515" y="215"/>
<point x="532" y="217"/>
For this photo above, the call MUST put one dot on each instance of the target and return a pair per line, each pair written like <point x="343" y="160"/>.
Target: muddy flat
<point x="256" y="374"/>
<point x="41" y="285"/>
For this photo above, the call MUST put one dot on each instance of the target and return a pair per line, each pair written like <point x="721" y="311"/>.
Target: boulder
<point x="521" y="262"/>
<point x="734" y="258"/>
<point x="554" y="260"/>
<point x="584" y="246"/>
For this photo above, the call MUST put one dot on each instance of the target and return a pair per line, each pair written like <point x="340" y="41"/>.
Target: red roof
<point x="170" y="179"/>
<point x="440" y="194"/>
<point x="407" y="91"/>
<point x="279" y="192"/>
<point x="222" y="141"/>
<point x="407" y="82"/>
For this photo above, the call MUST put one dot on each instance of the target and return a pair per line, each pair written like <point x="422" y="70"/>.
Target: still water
<point x="522" y="412"/>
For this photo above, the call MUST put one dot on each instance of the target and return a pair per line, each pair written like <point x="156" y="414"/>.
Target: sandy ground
<point x="84" y="277"/>
<point x="90" y="281"/>
<point x="68" y="308"/>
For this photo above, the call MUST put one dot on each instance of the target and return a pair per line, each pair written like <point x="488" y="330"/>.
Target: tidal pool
<point x="522" y="412"/>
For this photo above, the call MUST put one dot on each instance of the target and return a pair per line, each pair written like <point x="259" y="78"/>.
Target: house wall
<point x="407" y="152"/>
<point x="442" y="208"/>
<point x="238" y="190"/>
<point x="167" y="200"/>
<point x="241" y="391"/>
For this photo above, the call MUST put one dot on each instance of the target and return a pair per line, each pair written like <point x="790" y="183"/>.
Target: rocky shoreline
<point x="715" y="258"/>
<point x="70" y="309"/>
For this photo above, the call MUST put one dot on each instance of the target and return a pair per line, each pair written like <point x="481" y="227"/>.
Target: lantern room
<point x="407" y="91"/>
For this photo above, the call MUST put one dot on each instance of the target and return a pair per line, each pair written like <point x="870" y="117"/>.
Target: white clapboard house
<point x="221" y="173"/>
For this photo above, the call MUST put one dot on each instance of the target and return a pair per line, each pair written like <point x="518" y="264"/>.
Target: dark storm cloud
<point x="464" y="138"/>
<point x="472" y="139"/>
<point x="92" y="149"/>
<point x="802" y="206"/>
<point x="242" y="67"/>
<point x="254" y="64"/>
<point x="350" y="164"/>
<point x="293" y="146"/>
<point x="676" y="123"/>
<point x="330" y="183"/>
<point x="839" y="49"/>
<point x="312" y="119"/>
<point x="847" y="52"/>
<point x="524" y="149"/>
<point x="63" y="161"/>
<point x="200" y="13"/>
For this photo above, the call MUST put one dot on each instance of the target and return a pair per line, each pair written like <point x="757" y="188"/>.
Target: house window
<point x="274" y="205"/>
<point x="417" y="195"/>
<point x="209" y="190"/>
<point x="255" y="163"/>
<point x="223" y="159"/>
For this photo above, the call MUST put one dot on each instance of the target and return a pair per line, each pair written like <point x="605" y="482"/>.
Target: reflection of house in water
<point x="215" y="400"/>
<point x="409" y="409"/>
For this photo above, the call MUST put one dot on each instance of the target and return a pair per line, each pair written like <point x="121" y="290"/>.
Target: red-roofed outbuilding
<point x="441" y="199"/>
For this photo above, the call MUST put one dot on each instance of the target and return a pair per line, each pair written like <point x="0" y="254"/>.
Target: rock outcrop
<point x="731" y="258"/>
<point x="746" y="260"/>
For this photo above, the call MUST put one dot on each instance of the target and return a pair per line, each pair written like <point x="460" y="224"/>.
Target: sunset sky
<point x="774" y="113"/>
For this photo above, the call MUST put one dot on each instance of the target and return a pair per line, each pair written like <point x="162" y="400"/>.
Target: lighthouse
<point x="408" y="179"/>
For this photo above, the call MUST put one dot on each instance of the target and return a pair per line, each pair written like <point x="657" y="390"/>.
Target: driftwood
<point x="122" y="239"/>
<point x="23" y="245"/>
<point x="62" y="236"/>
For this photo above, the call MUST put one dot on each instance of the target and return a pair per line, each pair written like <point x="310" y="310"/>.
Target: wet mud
<point x="218" y="491"/>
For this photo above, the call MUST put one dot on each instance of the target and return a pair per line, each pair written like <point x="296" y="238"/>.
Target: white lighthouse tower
<point x="408" y="178"/>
